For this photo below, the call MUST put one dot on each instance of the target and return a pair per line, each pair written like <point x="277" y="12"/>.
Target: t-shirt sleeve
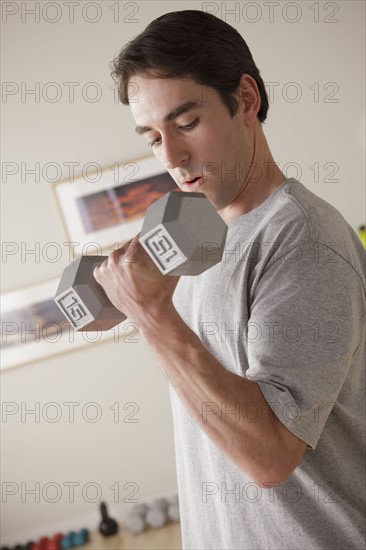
<point x="305" y="325"/>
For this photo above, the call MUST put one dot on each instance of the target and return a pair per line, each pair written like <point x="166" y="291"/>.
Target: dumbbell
<point x="156" y="515"/>
<point x="135" y="521"/>
<point x="173" y="509"/>
<point x="183" y="235"/>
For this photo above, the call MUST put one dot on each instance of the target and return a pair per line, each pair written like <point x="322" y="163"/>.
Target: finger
<point x="97" y="272"/>
<point x="99" y="269"/>
<point x="133" y="250"/>
<point x="117" y="255"/>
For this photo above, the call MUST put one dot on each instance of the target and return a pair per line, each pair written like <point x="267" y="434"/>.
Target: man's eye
<point x="191" y="125"/>
<point x="185" y="127"/>
<point x="152" y="143"/>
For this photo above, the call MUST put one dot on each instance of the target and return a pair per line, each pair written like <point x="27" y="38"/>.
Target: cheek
<point x="218" y="145"/>
<point x="209" y="142"/>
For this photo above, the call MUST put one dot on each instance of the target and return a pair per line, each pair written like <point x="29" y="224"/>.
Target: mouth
<point x="194" y="183"/>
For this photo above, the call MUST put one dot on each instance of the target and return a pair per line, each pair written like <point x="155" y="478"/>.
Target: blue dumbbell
<point x="85" y="532"/>
<point x="68" y="541"/>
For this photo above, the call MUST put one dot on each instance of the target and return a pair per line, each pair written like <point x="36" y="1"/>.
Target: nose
<point x="173" y="152"/>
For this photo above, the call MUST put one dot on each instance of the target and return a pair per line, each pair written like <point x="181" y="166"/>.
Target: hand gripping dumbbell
<point x="183" y="235"/>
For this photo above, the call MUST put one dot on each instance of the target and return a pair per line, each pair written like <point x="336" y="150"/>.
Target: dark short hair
<point x="190" y="43"/>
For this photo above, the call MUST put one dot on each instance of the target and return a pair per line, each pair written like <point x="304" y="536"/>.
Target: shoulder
<point x="295" y="217"/>
<point x="327" y="228"/>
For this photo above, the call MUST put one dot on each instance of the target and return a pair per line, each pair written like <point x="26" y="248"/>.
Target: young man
<point x="265" y="351"/>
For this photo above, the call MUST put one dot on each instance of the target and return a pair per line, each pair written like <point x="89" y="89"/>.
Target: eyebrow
<point x="184" y="108"/>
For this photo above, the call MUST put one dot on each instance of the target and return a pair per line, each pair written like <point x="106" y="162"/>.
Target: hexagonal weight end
<point x="82" y="300"/>
<point x="183" y="234"/>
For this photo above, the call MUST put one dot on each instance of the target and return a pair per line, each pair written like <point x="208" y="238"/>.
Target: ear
<point x="249" y="98"/>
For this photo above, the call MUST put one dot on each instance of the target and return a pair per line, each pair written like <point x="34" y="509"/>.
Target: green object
<point x="362" y="234"/>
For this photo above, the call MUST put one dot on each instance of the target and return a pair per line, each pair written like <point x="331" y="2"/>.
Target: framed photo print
<point x="33" y="327"/>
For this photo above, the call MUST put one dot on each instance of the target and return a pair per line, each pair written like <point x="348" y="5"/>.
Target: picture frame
<point x="106" y="208"/>
<point x="33" y="327"/>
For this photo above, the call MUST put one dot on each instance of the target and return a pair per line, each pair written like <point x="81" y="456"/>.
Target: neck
<point x="262" y="179"/>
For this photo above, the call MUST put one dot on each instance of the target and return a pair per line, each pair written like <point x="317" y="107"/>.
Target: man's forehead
<point x="144" y="89"/>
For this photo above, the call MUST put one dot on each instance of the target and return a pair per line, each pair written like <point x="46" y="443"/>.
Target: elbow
<point x="280" y="466"/>
<point x="269" y="481"/>
<point x="275" y="474"/>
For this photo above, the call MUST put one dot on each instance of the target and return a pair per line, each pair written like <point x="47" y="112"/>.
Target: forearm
<point x="210" y="392"/>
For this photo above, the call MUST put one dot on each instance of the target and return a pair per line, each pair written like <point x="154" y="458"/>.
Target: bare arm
<point x="266" y="450"/>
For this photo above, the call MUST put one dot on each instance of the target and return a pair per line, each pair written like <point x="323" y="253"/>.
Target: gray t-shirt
<point x="286" y="308"/>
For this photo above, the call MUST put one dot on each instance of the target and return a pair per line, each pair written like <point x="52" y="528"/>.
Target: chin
<point x="217" y="204"/>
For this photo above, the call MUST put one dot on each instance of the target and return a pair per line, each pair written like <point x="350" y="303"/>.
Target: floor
<point x="165" y="538"/>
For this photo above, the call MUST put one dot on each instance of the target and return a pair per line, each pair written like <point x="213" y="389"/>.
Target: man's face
<point x="192" y="134"/>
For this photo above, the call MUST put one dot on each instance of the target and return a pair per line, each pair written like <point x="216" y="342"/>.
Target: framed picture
<point x="108" y="206"/>
<point x="33" y="327"/>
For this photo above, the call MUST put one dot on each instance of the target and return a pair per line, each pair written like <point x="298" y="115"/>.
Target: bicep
<point x="308" y="314"/>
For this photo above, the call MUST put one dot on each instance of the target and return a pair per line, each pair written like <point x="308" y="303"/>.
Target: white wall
<point x="321" y="51"/>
